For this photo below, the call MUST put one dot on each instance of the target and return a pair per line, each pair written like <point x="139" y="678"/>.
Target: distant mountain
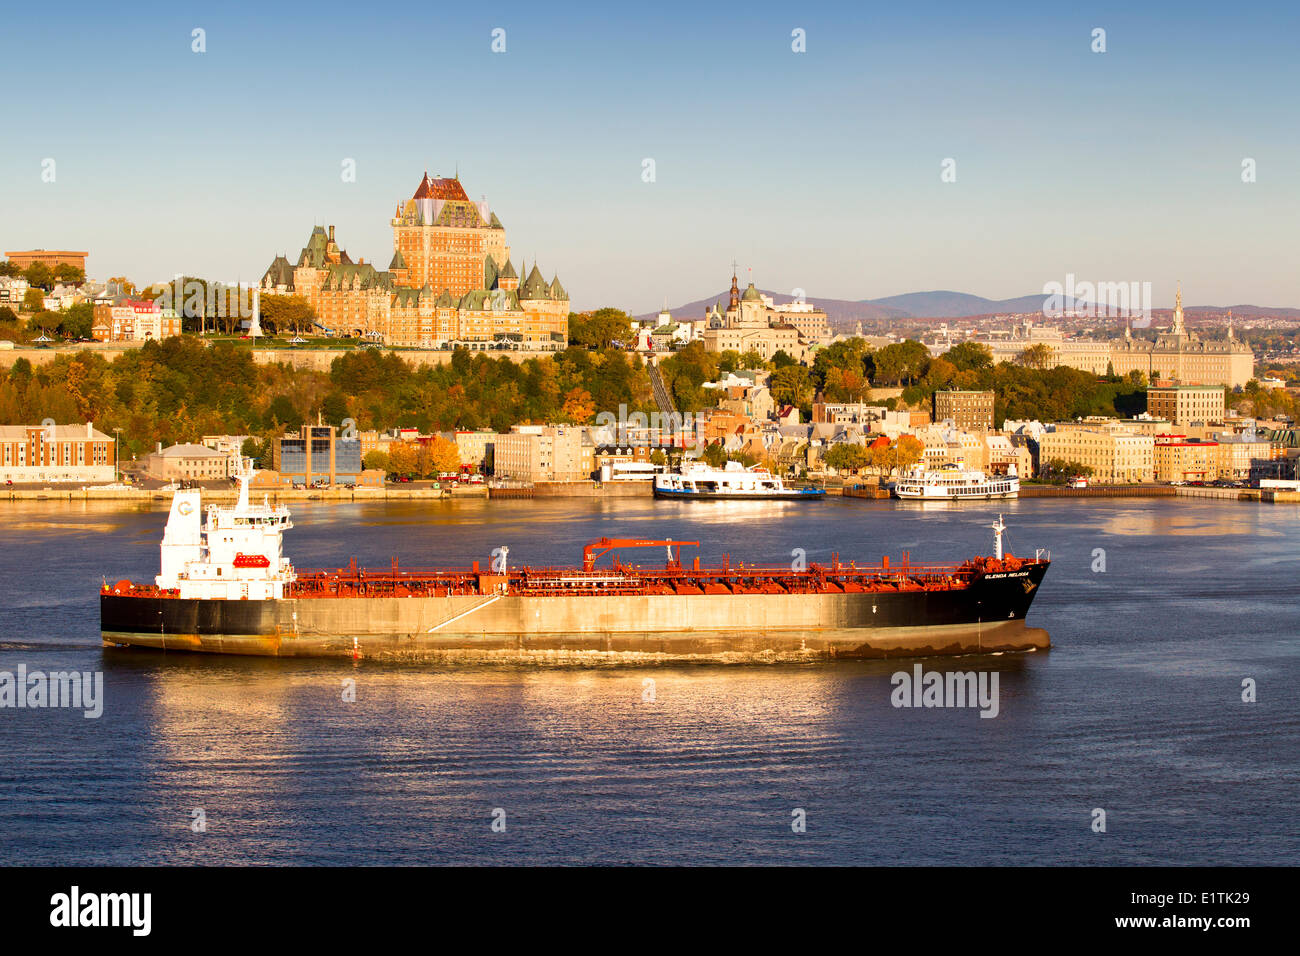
<point x="955" y="305"/>
<point x="842" y="314"/>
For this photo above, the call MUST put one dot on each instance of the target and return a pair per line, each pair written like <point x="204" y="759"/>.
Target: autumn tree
<point x="286" y="313"/>
<point x="578" y="406"/>
<point x="845" y="457"/>
<point x="1039" y="356"/>
<point x="403" y="458"/>
<point x="438" y="456"/>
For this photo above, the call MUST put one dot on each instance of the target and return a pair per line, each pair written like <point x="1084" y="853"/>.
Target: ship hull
<point x="739" y="495"/>
<point x="987" y="616"/>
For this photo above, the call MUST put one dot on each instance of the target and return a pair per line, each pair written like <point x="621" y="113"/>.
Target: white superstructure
<point x="952" y="483"/>
<point x="697" y="479"/>
<point x="235" y="554"/>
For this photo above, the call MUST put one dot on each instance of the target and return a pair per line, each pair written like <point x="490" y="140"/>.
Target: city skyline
<point x="819" y="170"/>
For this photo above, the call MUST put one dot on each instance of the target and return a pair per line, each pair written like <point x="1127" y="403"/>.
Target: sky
<point x="819" y="170"/>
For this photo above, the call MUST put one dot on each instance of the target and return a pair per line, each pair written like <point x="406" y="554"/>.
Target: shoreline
<point x="592" y="489"/>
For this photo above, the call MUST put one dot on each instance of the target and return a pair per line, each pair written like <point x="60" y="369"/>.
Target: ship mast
<point x="998" y="528"/>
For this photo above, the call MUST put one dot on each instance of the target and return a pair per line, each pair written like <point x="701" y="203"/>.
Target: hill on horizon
<point x="938" y="304"/>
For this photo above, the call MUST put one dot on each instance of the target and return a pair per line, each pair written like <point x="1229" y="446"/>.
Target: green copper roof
<point x="489" y="273"/>
<point x="508" y="271"/>
<point x="557" y="290"/>
<point x="482" y="300"/>
<point x="751" y="295"/>
<point x="495" y="222"/>
<point x="445" y="301"/>
<point x="344" y="275"/>
<point x="398" y="261"/>
<point x="280" y="273"/>
<point x="534" y="286"/>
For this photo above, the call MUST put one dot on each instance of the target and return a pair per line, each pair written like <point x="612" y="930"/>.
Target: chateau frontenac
<point x="450" y="280"/>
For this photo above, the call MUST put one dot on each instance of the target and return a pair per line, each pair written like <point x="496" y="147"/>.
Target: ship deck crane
<point x="596" y="549"/>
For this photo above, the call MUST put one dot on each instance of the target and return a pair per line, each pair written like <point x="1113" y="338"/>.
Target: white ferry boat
<point x="698" y="480"/>
<point x="952" y="483"/>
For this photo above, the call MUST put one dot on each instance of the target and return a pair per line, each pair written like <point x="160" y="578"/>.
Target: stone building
<point x="1114" y="452"/>
<point x="186" y="462"/>
<point x="450" y="281"/>
<point x="1187" y="404"/>
<point x="964" y="409"/>
<point x="753" y="322"/>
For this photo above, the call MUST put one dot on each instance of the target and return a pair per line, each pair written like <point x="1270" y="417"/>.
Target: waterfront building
<point x="318" y="455"/>
<point x="1114" y="451"/>
<point x="544" y="453"/>
<point x="477" y="449"/>
<point x="56" y="453"/>
<point x="1179" y="458"/>
<point x="186" y="462"/>
<point x="1187" y="404"/>
<point x="964" y="409"/>
<point x="1237" y="455"/>
<point x="450" y="281"/>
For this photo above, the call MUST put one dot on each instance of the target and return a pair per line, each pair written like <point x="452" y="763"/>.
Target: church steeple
<point x="1178" y="311"/>
<point x="1232" y="337"/>
<point x="735" y="292"/>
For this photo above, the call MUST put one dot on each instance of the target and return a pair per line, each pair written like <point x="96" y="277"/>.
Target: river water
<point x="1137" y="710"/>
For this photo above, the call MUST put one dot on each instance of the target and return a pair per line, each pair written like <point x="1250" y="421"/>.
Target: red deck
<point x="622" y="579"/>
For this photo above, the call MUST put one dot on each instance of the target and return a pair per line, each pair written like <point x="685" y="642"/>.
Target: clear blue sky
<point x="820" y="170"/>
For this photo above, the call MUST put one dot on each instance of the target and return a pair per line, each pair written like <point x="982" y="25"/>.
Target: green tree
<point x="845" y="457"/>
<point x="39" y="275"/>
<point x="283" y="412"/>
<point x="714" y="454"/>
<point x="334" y="408"/>
<point x="791" y="385"/>
<point x="970" y="356"/>
<point x="602" y="329"/>
<point x="782" y="358"/>
<point x="33" y="300"/>
<point x="78" y="321"/>
<point x="69" y="274"/>
<point x="901" y="362"/>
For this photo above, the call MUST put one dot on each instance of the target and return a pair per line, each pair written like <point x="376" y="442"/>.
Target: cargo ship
<point x="226" y="586"/>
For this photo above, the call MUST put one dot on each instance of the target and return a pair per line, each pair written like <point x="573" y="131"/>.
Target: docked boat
<point x="697" y="480"/>
<point x="953" y="483"/>
<point x="226" y="586"/>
